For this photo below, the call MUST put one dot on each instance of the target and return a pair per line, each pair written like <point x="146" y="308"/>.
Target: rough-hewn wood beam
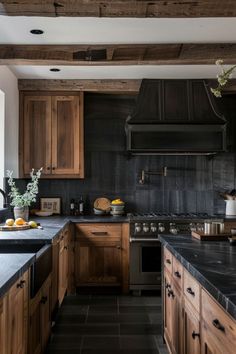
<point x="123" y="85"/>
<point x="120" y="8"/>
<point x="136" y="54"/>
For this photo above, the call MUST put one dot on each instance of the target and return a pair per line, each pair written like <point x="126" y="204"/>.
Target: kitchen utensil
<point x="102" y="204"/>
<point x="99" y="211"/>
<point x="14" y="228"/>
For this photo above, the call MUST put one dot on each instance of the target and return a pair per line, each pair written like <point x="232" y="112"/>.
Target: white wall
<point x="8" y="84"/>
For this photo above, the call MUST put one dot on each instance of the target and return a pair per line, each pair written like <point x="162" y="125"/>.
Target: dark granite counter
<point x="12" y="268"/>
<point x="213" y="264"/>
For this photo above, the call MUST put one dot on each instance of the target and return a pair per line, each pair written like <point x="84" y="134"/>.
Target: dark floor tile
<point x="160" y="345"/>
<point x="65" y="342"/>
<point x="103" y="309"/>
<point x="119" y="351"/>
<point x="139" y="309"/>
<point x="103" y="301"/>
<point x="136" y="342"/>
<point x="155" y="317"/>
<point x="101" y="342"/>
<point x="87" y="329"/>
<point x="70" y="319"/>
<point x="74" y="301"/>
<point x="139" y="301"/>
<point x="142" y="329"/>
<point x="119" y="318"/>
<point x="63" y="351"/>
<point x="74" y="310"/>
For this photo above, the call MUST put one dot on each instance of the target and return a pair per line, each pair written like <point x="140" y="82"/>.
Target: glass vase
<point x="21" y="212"/>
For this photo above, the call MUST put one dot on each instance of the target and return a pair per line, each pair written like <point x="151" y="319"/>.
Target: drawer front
<point x="222" y="326"/>
<point x="99" y="232"/>
<point x="192" y="290"/>
<point x="178" y="272"/>
<point x="168" y="260"/>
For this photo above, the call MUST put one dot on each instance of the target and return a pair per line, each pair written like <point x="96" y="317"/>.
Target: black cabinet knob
<point x="190" y="291"/>
<point x="194" y="335"/>
<point x="21" y="284"/>
<point x="216" y="323"/>
<point x="44" y="300"/>
<point x="177" y="274"/>
<point x="168" y="261"/>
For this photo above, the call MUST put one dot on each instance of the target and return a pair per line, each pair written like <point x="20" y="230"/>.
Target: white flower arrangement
<point x="23" y="200"/>
<point x="222" y="78"/>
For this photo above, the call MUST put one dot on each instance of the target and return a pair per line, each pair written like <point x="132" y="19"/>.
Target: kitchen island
<point x="199" y="295"/>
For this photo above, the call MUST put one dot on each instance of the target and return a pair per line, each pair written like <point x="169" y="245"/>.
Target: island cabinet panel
<point x="3" y="325"/>
<point x="191" y="331"/>
<point x="101" y="255"/>
<point x="18" y="297"/>
<point x="51" y="134"/>
<point x="167" y="310"/>
<point x="63" y="265"/>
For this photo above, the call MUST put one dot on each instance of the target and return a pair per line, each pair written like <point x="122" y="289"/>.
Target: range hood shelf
<point x="175" y="117"/>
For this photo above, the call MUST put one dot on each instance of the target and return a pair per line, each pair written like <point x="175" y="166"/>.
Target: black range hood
<point x="175" y="117"/>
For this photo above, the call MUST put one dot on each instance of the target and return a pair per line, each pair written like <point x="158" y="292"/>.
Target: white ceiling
<point x="69" y="30"/>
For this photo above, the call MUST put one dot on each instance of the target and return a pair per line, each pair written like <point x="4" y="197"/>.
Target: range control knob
<point x="137" y="227"/>
<point x="145" y="227"/>
<point x="161" y="227"/>
<point x="153" y="227"/>
<point x="173" y="229"/>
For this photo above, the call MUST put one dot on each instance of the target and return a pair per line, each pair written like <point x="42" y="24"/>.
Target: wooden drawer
<point x="99" y="232"/>
<point x="168" y="260"/>
<point x="192" y="290"/>
<point x="220" y="324"/>
<point x="177" y="272"/>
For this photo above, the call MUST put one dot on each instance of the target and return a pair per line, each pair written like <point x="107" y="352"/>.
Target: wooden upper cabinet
<point x="51" y="134"/>
<point x="37" y="134"/>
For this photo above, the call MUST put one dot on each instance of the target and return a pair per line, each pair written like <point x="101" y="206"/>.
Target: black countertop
<point x="12" y="268"/>
<point x="212" y="263"/>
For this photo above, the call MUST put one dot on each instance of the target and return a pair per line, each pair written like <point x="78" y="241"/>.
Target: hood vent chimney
<point x="175" y="117"/>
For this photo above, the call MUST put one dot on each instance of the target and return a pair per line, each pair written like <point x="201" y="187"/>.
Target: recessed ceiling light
<point x="36" y="31"/>
<point x="55" y="70"/>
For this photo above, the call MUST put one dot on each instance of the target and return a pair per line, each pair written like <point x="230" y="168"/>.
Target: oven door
<point x="145" y="264"/>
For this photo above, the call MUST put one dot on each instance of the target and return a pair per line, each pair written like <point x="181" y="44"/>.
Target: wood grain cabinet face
<point x="63" y="266"/>
<point x="51" y="134"/>
<point x="98" y="255"/>
<point x="3" y="325"/>
<point x="18" y="316"/>
<point x="191" y="331"/>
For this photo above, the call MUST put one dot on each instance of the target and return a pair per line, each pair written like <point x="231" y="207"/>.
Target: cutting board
<point x="212" y="237"/>
<point x="14" y="228"/>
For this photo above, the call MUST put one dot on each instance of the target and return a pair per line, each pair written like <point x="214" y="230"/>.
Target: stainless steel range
<point x="145" y="247"/>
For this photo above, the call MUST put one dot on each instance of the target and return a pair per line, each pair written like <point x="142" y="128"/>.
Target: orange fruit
<point x="19" y="222"/>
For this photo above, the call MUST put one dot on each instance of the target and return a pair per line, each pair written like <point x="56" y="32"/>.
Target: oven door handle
<point x="145" y="239"/>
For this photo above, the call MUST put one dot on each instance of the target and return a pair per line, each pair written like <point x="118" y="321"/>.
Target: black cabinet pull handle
<point x="65" y="248"/>
<point x="171" y="293"/>
<point x="99" y="233"/>
<point x="53" y="168"/>
<point x="21" y="284"/>
<point x="44" y="300"/>
<point x="177" y="274"/>
<point x="48" y="168"/>
<point x="168" y="261"/>
<point x="118" y="247"/>
<point x="190" y="291"/>
<point x="167" y="286"/>
<point x="194" y="335"/>
<point x="216" y="323"/>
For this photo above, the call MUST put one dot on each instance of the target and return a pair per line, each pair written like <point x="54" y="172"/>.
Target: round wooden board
<point x="102" y="204"/>
<point x="14" y="228"/>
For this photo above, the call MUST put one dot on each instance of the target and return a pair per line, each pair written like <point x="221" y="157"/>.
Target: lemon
<point x="33" y="224"/>
<point x="19" y="221"/>
<point x="10" y="222"/>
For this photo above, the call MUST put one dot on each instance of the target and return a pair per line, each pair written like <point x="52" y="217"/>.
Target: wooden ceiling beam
<point x="119" y="8"/>
<point x="127" y="54"/>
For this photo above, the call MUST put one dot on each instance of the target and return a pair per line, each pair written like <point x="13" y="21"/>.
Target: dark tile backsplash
<point x="192" y="183"/>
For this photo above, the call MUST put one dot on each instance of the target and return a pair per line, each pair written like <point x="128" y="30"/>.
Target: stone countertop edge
<point x="15" y="266"/>
<point x="221" y="298"/>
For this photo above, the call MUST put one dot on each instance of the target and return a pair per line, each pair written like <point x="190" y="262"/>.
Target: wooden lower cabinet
<point x="191" y="331"/>
<point x="102" y="254"/>
<point x="40" y="319"/>
<point x="208" y="340"/>
<point x="3" y="325"/>
<point x="17" y="316"/>
<point x="63" y="265"/>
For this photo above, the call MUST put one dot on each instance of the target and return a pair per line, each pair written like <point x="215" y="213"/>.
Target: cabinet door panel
<point x="37" y="133"/>
<point x="34" y="325"/>
<point x="177" y="321"/>
<point x="168" y="309"/>
<point x="3" y="325"/>
<point x="66" y="135"/>
<point x="45" y="314"/>
<point x="191" y="332"/>
<point x="98" y="263"/>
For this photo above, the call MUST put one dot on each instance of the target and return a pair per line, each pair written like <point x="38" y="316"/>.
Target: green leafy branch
<point x="222" y="78"/>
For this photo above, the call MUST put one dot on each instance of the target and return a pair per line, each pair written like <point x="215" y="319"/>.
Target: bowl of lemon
<point x="117" y="207"/>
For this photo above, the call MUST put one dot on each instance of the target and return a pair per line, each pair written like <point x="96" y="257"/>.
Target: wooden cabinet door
<point x="168" y="310"/>
<point x="177" y="321"/>
<point x="98" y="263"/>
<point x="3" y="325"/>
<point x="18" y="316"/>
<point x="34" y="336"/>
<point x="63" y="268"/>
<point x="191" y="331"/>
<point x="45" y="312"/>
<point x="67" y="135"/>
<point x="37" y="134"/>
